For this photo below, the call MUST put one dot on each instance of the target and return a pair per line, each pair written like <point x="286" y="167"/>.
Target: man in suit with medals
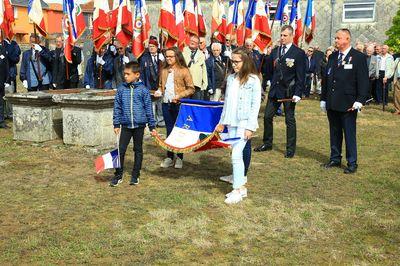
<point x="287" y="86"/>
<point x="343" y="94"/>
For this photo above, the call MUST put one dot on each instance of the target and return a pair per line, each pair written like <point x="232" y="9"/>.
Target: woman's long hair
<point x="248" y="67"/>
<point x="180" y="60"/>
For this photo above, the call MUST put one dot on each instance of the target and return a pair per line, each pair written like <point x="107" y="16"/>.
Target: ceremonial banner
<point x="141" y="28"/>
<point x="124" y="27"/>
<point x="171" y="23"/>
<point x="282" y="12"/>
<point x="73" y="26"/>
<point x="100" y="23"/>
<point x="218" y="22"/>
<point x="194" y="128"/>
<point x="295" y="21"/>
<point x="309" y="21"/>
<point x="6" y="18"/>
<point x="35" y="13"/>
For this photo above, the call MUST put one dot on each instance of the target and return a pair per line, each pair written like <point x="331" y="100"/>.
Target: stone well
<point x="87" y="118"/>
<point x="36" y="117"/>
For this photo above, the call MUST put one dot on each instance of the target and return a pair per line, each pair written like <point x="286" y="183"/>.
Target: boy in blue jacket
<point x="132" y="111"/>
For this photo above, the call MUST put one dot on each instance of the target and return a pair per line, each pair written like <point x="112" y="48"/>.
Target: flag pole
<point x="273" y="21"/>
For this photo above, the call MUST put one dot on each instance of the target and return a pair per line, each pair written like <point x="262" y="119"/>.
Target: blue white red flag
<point x="309" y="21"/>
<point x="124" y="27"/>
<point x="141" y="28"/>
<point x="218" y="21"/>
<point x="282" y="12"/>
<point x="194" y="128"/>
<point x="295" y="21"/>
<point x="35" y="13"/>
<point x="108" y="161"/>
<point x="257" y="24"/>
<point x="171" y="23"/>
<point x="7" y="18"/>
<point x="73" y="26"/>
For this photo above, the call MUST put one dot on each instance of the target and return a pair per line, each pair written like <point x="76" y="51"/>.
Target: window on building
<point x="359" y="10"/>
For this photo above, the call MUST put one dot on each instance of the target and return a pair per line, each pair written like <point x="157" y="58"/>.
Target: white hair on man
<point x="216" y="45"/>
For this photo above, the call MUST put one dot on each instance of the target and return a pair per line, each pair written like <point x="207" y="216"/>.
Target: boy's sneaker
<point x="242" y="191"/>
<point x="134" y="181"/>
<point x="115" y="181"/>
<point x="178" y="163"/>
<point x="228" y="179"/>
<point x="234" y="197"/>
<point x="168" y="162"/>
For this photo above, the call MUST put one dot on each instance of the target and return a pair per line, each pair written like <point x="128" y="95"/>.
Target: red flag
<point x="124" y="29"/>
<point x="171" y="23"/>
<point x="141" y="28"/>
<point x="7" y="18"/>
<point x="100" y="23"/>
<point x="218" y="23"/>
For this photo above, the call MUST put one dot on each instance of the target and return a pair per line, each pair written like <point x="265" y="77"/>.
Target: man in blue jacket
<point x="311" y="70"/>
<point x="35" y="72"/>
<point x="99" y="70"/>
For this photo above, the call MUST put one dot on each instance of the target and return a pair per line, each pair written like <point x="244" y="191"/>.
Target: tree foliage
<point x="394" y="33"/>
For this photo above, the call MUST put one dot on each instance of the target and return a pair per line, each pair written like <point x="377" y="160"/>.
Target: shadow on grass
<point x="303" y="152"/>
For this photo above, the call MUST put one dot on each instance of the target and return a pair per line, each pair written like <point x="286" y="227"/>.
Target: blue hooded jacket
<point x="132" y="106"/>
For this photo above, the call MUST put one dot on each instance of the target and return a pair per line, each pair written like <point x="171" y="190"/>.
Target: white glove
<point x="37" y="47"/>
<point x="125" y="59"/>
<point x="357" y="106"/>
<point x="268" y="83"/>
<point x="210" y="91"/>
<point x="54" y="85"/>
<point x="157" y="93"/>
<point x="6" y="85"/>
<point x="322" y="105"/>
<point x="113" y="49"/>
<point x="87" y="86"/>
<point x="25" y="84"/>
<point x="228" y="54"/>
<point x="100" y="61"/>
<point x="296" y="99"/>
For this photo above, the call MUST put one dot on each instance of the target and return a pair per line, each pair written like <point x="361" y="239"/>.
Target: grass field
<point x="54" y="209"/>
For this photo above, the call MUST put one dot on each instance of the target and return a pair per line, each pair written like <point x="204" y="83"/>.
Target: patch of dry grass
<point x="55" y="209"/>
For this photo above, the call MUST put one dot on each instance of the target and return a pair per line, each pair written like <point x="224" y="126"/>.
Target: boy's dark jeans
<point x="125" y="138"/>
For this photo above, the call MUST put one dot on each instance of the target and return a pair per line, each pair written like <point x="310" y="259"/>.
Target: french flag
<point x="238" y="21"/>
<point x="108" y="161"/>
<point x="100" y="23"/>
<point x="282" y="12"/>
<point x="218" y="22"/>
<point x="35" y="13"/>
<point x="230" y="26"/>
<point x="251" y="11"/>
<point x="124" y="28"/>
<point x="6" y="18"/>
<point x="309" y="21"/>
<point x="171" y="23"/>
<point x="296" y="22"/>
<point x="261" y="29"/>
<point x="190" y="14"/>
<point x="194" y="128"/>
<point x="141" y="28"/>
<point x="73" y="26"/>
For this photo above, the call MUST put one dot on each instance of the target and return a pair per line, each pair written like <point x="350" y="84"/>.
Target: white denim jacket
<point x="248" y="104"/>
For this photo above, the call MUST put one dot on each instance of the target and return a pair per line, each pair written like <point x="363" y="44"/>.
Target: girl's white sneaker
<point x="242" y="191"/>
<point x="234" y="197"/>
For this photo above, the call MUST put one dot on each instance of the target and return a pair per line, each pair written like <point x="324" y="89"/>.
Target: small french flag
<point x="108" y="161"/>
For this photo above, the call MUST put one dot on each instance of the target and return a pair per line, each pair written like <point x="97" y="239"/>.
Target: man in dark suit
<point x="99" y="69"/>
<point x="65" y="75"/>
<point x="123" y="58"/>
<point x="311" y="70"/>
<point x="343" y="94"/>
<point x="150" y="65"/>
<point x="287" y="85"/>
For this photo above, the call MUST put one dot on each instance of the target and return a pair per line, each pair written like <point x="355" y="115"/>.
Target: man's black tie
<point x="283" y="51"/>
<point x="340" y="59"/>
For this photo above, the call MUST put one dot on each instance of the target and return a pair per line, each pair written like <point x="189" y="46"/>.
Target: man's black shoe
<point x="263" y="147"/>
<point x="134" y="181"/>
<point x="350" y="169"/>
<point x="332" y="164"/>
<point x="115" y="181"/>
<point x="289" y="155"/>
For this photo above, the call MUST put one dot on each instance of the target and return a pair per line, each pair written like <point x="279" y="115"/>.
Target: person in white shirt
<point x="385" y="68"/>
